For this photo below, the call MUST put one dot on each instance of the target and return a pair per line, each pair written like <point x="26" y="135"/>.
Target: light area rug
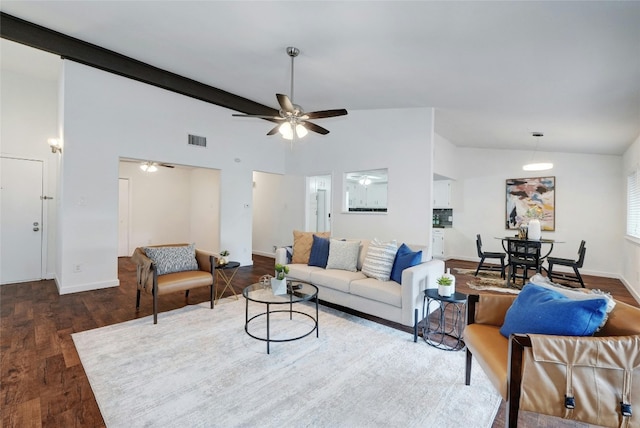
<point x="486" y="280"/>
<point x="198" y="368"/>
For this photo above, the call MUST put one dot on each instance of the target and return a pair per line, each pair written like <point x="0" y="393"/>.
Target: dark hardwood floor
<point x="42" y="382"/>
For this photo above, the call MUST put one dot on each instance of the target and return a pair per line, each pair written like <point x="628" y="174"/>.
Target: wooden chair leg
<point x="186" y="295"/>
<point x="479" y="266"/>
<point x="575" y="269"/>
<point x="467" y="376"/>
<point x="155" y="308"/>
<point x="212" y="295"/>
<point x="138" y="300"/>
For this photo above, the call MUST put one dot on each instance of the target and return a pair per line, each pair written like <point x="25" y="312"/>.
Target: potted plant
<point x="279" y="283"/>
<point x="224" y="257"/>
<point x="445" y="286"/>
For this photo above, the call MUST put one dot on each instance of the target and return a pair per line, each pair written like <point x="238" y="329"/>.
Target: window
<point x="633" y="204"/>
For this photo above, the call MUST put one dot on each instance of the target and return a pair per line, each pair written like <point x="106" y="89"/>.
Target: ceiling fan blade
<point x="326" y="113"/>
<point x="285" y="103"/>
<point x="315" y="128"/>
<point x="274" y="130"/>
<point x="261" y="116"/>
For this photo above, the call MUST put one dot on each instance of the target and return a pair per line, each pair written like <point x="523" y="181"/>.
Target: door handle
<point x="35" y="229"/>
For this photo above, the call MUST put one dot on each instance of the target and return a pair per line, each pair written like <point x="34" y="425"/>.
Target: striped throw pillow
<point x="379" y="259"/>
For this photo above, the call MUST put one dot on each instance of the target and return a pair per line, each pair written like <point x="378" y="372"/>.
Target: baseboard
<point x="86" y="287"/>
<point x="264" y="254"/>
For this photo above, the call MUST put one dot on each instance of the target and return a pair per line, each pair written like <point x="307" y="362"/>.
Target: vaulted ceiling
<point x="494" y="71"/>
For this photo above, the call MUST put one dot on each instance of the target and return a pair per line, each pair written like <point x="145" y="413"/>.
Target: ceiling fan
<point x="294" y="120"/>
<point x="149" y="166"/>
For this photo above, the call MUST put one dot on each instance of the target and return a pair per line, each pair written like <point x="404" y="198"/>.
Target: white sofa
<point x="400" y="303"/>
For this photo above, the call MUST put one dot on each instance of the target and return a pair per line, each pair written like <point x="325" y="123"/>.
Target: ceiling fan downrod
<point x="292" y="52"/>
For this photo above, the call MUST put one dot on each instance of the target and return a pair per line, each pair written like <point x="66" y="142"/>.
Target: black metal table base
<point x="446" y="334"/>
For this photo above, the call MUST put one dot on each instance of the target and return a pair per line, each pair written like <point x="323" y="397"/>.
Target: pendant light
<point x="537" y="166"/>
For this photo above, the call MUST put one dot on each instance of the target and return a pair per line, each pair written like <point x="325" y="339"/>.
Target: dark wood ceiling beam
<point x="36" y="36"/>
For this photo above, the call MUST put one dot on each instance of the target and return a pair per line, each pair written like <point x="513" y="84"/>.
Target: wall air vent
<point x="195" y="140"/>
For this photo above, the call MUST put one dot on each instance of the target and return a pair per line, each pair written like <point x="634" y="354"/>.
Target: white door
<point x="123" y="217"/>
<point x="21" y="220"/>
<point x="321" y="210"/>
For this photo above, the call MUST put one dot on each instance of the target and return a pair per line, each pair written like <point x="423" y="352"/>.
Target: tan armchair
<point x="592" y="379"/>
<point x="157" y="285"/>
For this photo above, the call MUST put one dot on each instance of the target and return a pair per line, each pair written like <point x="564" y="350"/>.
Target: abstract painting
<point x="531" y="198"/>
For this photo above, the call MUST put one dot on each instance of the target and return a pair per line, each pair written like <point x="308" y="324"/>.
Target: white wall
<point x="107" y="117"/>
<point x="268" y="213"/>
<point x="631" y="248"/>
<point x="204" y="189"/>
<point x="173" y="205"/>
<point x="444" y="157"/>
<point x="589" y="205"/>
<point x="29" y="116"/>
<point x="400" y="140"/>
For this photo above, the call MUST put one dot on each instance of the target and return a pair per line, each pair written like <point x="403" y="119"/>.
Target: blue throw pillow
<point x="319" y="252"/>
<point x="544" y="311"/>
<point x="405" y="258"/>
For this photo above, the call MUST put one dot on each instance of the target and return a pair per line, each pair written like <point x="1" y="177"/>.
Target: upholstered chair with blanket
<point x="570" y="372"/>
<point x="171" y="268"/>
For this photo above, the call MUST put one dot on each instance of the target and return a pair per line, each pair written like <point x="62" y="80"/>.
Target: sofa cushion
<point x="302" y="272"/>
<point x="334" y="278"/>
<point x="379" y="259"/>
<point x="388" y="292"/>
<point x="544" y="311"/>
<point x="173" y="259"/>
<point x="343" y="255"/>
<point x="302" y="242"/>
<point x="405" y="258"/>
<point x="319" y="252"/>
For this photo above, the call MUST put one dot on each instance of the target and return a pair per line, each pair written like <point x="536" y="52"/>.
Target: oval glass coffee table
<point x="297" y="292"/>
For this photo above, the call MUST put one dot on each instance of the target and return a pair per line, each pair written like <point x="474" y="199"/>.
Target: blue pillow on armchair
<point x="539" y="310"/>
<point x="319" y="252"/>
<point x="405" y="258"/>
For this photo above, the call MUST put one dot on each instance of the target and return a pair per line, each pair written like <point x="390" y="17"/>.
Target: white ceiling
<point x="495" y="71"/>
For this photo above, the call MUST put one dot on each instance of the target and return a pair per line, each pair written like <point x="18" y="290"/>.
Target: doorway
<point x="318" y="203"/>
<point x="21" y="241"/>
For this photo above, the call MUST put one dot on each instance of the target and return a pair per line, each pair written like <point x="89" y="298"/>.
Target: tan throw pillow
<point x="302" y="242"/>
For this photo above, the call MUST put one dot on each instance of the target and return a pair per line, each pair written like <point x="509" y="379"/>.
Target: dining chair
<point x="523" y="254"/>
<point x="575" y="264"/>
<point x="489" y="255"/>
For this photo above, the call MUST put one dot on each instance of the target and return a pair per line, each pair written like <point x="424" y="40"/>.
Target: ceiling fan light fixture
<point x="148" y="167"/>
<point x="286" y="131"/>
<point x="301" y="131"/>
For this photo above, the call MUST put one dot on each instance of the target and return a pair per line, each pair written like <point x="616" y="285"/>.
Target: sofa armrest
<point x="144" y="269"/>
<point x="206" y="260"/>
<point x="489" y="309"/>
<point x="414" y="281"/>
<point x="281" y="256"/>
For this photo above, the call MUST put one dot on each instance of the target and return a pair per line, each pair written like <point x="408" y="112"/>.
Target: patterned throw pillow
<point x="173" y="259"/>
<point x="302" y="242"/>
<point x="379" y="259"/>
<point x="343" y="255"/>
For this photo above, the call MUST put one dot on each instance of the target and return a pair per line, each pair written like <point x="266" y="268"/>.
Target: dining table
<point x="548" y="243"/>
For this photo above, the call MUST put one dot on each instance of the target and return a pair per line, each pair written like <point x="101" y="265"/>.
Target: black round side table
<point x="446" y="333"/>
